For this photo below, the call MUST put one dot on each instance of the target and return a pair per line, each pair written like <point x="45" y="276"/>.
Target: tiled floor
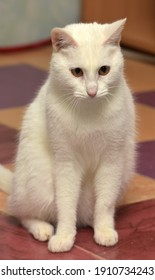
<point x="21" y="74"/>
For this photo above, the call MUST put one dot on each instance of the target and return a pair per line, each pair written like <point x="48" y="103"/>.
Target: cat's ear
<point x="61" y="39"/>
<point x="114" y="31"/>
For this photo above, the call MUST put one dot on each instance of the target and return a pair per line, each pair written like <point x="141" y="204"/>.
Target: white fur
<point x="76" y="153"/>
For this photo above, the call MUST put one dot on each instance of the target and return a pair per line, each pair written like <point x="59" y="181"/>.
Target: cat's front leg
<point x="67" y="194"/>
<point x="108" y="184"/>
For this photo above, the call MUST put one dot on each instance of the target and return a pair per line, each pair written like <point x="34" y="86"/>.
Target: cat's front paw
<point x="106" y="237"/>
<point x="41" y="231"/>
<point x="61" y="243"/>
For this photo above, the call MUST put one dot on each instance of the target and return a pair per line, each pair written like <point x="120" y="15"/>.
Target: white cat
<point x="76" y="149"/>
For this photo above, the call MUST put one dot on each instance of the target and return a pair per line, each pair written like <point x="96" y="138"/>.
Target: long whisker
<point x="107" y="99"/>
<point x="80" y="95"/>
<point x="71" y="104"/>
<point x="63" y="99"/>
<point x="113" y="86"/>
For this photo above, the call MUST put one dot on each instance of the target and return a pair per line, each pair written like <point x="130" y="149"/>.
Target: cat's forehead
<point x="90" y="37"/>
<point x="86" y="32"/>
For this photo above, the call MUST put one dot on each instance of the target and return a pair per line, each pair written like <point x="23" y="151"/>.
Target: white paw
<point x="106" y="237"/>
<point x="41" y="230"/>
<point x="61" y="243"/>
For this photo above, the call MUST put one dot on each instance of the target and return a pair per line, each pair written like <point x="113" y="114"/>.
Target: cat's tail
<point x="5" y="179"/>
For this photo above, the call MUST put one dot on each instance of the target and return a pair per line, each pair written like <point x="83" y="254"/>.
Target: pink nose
<point x="92" y="93"/>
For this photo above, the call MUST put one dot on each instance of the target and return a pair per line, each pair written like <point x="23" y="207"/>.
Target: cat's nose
<point x="92" y="93"/>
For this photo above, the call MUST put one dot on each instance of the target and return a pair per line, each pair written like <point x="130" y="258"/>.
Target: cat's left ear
<point x="114" y="31"/>
<point x="61" y="39"/>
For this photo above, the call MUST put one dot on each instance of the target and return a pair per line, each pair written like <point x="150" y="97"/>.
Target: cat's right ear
<point x="61" y="39"/>
<point x="114" y="31"/>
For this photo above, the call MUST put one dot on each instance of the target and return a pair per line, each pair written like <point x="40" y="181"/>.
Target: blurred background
<point x="27" y="22"/>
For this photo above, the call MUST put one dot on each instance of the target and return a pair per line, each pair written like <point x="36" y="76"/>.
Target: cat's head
<point x="86" y="59"/>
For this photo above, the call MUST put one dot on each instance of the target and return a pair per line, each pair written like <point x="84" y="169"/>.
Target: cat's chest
<point x="86" y="144"/>
<point x="86" y="140"/>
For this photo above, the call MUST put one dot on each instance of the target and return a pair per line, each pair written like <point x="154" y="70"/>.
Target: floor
<point x="135" y="217"/>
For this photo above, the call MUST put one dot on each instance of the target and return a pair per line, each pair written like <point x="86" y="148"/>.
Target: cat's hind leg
<point x="40" y="230"/>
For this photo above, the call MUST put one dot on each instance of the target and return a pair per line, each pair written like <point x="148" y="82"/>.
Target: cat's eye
<point x="77" y="72"/>
<point x="104" y="70"/>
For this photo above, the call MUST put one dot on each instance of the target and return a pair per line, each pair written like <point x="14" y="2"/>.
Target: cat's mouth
<point x="91" y="95"/>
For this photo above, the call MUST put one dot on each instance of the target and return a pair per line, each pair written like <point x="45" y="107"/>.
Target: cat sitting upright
<point x="76" y="149"/>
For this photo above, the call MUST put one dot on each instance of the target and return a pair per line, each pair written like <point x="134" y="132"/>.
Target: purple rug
<point x="18" y="84"/>
<point x="146" y="98"/>
<point x="146" y="159"/>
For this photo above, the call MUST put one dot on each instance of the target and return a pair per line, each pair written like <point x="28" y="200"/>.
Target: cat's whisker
<point x="107" y="99"/>
<point x="71" y="103"/>
<point x="64" y="99"/>
<point x="113" y="87"/>
<point x="102" y="94"/>
<point x="80" y="95"/>
<point x="74" y="105"/>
